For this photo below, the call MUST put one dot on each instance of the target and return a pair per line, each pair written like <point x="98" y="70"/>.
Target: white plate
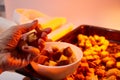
<point x="9" y="75"/>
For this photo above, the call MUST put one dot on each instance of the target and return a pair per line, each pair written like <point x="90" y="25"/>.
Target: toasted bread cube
<point x="113" y="71"/>
<point x="63" y="58"/>
<point x="46" y="63"/>
<point x="32" y="37"/>
<point x="45" y="52"/>
<point x="118" y="65"/>
<point x="55" y="49"/>
<point x="67" y="52"/>
<point x="117" y="55"/>
<point x="112" y="77"/>
<point x="41" y="59"/>
<point x="56" y="55"/>
<point x="62" y="62"/>
<point x="79" y="76"/>
<point x="52" y="63"/>
<point x="110" y="63"/>
<point x="104" y="53"/>
<point x="105" y="59"/>
<point x="84" y="65"/>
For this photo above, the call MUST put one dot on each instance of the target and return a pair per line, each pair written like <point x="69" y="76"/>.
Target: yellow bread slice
<point x="22" y="16"/>
<point x="58" y="33"/>
<point x="54" y="23"/>
<point x="30" y="13"/>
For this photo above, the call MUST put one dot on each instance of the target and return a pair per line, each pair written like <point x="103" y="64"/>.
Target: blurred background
<point x="2" y="8"/>
<point x="93" y="12"/>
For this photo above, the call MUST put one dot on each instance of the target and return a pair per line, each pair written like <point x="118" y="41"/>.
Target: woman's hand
<point x="10" y="57"/>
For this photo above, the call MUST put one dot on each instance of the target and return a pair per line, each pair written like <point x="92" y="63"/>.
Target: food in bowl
<point x="59" y="72"/>
<point x="56" y="57"/>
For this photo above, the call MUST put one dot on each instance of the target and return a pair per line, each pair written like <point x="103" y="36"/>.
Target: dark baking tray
<point x="110" y="34"/>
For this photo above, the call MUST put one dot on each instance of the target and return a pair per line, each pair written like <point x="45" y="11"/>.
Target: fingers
<point x="43" y="33"/>
<point x="33" y="52"/>
<point x="15" y="63"/>
<point x="47" y="30"/>
<point x="41" y="44"/>
<point x="11" y="63"/>
<point x="29" y="26"/>
<point x="32" y="25"/>
<point x="44" y="36"/>
<point x="13" y="35"/>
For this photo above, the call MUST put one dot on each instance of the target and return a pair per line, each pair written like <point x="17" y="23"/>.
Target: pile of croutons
<point x="101" y="59"/>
